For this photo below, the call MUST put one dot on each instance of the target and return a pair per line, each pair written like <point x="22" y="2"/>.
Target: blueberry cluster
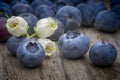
<point x="69" y="15"/>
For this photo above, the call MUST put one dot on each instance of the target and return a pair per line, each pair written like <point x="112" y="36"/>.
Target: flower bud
<point x="46" y="27"/>
<point x="48" y="45"/>
<point x="17" y="26"/>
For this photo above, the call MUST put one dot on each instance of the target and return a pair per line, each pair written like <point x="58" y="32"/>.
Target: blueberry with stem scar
<point x="73" y="45"/>
<point x="71" y="19"/>
<point x="30" y="54"/>
<point x="103" y="53"/>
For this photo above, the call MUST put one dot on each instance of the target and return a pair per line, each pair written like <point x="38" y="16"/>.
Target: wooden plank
<point x="59" y="68"/>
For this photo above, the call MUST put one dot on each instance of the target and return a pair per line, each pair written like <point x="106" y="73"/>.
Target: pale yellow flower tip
<point x="48" y="45"/>
<point x="17" y="26"/>
<point x="46" y="27"/>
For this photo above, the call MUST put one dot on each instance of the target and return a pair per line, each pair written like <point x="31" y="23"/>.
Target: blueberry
<point x="30" y="54"/>
<point x="116" y="9"/>
<point x="31" y="19"/>
<point x="114" y="2"/>
<point x="21" y="8"/>
<point x="14" y="42"/>
<point x="61" y="3"/>
<point x="103" y="54"/>
<point x="107" y="21"/>
<point x="98" y="5"/>
<point x="37" y="3"/>
<point x="73" y="45"/>
<point x="88" y="15"/>
<point x="5" y="11"/>
<point x="55" y="36"/>
<point x="4" y="34"/>
<point x="4" y="4"/>
<point x="43" y="11"/>
<point x="70" y="17"/>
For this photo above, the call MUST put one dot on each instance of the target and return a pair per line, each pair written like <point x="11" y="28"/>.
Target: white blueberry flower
<point x="45" y="27"/>
<point x="48" y="45"/>
<point x="17" y="26"/>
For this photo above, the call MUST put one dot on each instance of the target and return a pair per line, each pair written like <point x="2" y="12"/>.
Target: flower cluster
<point x="44" y="28"/>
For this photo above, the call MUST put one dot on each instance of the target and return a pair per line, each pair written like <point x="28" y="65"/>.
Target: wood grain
<point x="59" y="68"/>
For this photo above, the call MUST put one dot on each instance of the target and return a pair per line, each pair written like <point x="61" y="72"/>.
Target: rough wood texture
<point x="59" y="68"/>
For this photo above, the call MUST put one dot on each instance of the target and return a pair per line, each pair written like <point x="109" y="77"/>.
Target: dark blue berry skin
<point x="76" y="2"/>
<point x="30" y="54"/>
<point x="31" y="19"/>
<point x="103" y="54"/>
<point x="24" y="1"/>
<point x="13" y="2"/>
<point x="14" y="42"/>
<point x="4" y="4"/>
<point x="37" y="3"/>
<point x="73" y="45"/>
<point x="94" y="1"/>
<point x="43" y="11"/>
<point x="98" y="5"/>
<point x="21" y="8"/>
<point x="88" y="15"/>
<point x="70" y="17"/>
<point x="114" y="2"/>
<point x="61" y="29"/>
<point x="53" y="1"/>
<point x="107" y="21"/>
<point x="5" y="11"/>
<point x="4" y="34"/>
<point x="30" y="1"/>
<point x="7" y="1"/>
<point x="116" y="9"/>
<point x="61" y="3"/>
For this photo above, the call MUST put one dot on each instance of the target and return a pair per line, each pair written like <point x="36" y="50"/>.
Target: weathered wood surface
<point x="59" y="68"/>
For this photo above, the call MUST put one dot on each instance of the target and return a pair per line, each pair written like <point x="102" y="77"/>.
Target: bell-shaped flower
<point x="45" y="27"/>
<point x="48" y="45"/>
<point x="17" y="26"/>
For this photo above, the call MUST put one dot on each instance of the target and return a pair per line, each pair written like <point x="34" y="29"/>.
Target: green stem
<point x="7" y="16"/>
<point x="31" y="36"/>
<point x="27" y="35"/>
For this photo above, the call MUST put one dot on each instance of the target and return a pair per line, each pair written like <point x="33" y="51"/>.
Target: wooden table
<point x="59" y="68"/>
